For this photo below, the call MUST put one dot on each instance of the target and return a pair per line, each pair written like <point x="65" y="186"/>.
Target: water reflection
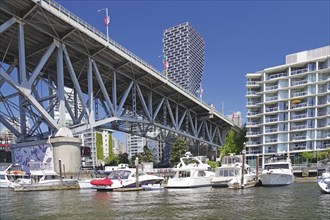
<point x="298" y="201"/>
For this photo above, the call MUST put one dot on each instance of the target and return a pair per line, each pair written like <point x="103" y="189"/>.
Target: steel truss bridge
<point x="45" y="48"/>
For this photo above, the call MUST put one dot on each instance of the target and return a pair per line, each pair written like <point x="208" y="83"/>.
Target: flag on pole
<point x="106" y="21"/>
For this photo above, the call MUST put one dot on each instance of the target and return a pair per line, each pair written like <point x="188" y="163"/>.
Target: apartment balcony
<point x="252" y="93"/>
<point x="252" y="113"/>
<point x="300" y="105"/>
<point x="253" y="124"/>
<point x="321" y="114"/>
<point x="322" y="102"/>
<point x="271" y="140"/>
<point x="270" y="151"/>
<point x="267" y="120"/>
<point x="251" y="103"/>
<point x="300" y="82"/>
<point x="252" y="84"/>
<point x="268" y="88"/>
<point x="321" y="125"/>
<point x="252" y="142"/>
<point x="300" y="71"/>
<point x="297" y="94"/>
<point x="278" y="75"/>
<point x="297" y="138"/>
<point x="323" y="145"/>
<point x="324" y="136"/>
<point x="298" y="127"/>
<point x="298" y="116"/>
<point x="298" y="147"/>
<point x="271" y="130"/>
<point x="254" y="152"/>
<point x="273" y="98"/>
<point x="252" y="133"/>
<point x="274" y="109"/>
<point x="324" y="78"/>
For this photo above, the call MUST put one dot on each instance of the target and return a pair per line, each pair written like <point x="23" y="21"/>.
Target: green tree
<point x="177" y="150"/>
<point x="213" y="164"/>
<point x="146" y="156"/>
<point x="132" y="160"/>
<point x="308" y="156"/>
<point x="123" y="158"/>
<point x="112" y="160"/>
<point x="230" y="145"/>
<point x="240" y="139"/>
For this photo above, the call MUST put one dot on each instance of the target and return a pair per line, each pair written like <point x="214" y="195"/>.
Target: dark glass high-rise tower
<point x="184" y="52"/>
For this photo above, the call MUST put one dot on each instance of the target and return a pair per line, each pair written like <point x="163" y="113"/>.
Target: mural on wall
<point x="39" y="153"/>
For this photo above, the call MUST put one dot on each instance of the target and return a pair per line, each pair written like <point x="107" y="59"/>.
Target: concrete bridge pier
<point x="50" y="151"/>
<point x="67" y="149"/>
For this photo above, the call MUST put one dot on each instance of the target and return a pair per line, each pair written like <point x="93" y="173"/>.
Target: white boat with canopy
<point x="277" y="171"/>
<point x="191" y="172"/>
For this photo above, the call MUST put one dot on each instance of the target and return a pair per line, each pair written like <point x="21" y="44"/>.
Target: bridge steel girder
<point x="133" y="96"/>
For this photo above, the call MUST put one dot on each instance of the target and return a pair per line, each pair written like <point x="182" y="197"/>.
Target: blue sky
<point x="240" y="36"/>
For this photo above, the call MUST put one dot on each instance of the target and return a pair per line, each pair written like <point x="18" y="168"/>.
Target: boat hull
<point x="250" y="180"/>
<point x="324" y="185"/>
<point x="189" y="182"/>
<point x="49" y="185"/>
<point x="85" y="183"/>
<point x="276" y="179"/>
<point x="129" y="183"/>
<point x="220" y="181"/>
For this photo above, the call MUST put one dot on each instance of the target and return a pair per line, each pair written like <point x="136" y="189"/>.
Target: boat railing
<point x="304" y="165"/>
<point x="277" y="159"/>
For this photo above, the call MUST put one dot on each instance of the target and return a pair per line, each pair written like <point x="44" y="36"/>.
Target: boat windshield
<point x="122" y="174"/>
<point x="276" y="166"/>
<point x="15" y="167"/>
<point x="3" y="167"/>
<point x="231" y="159"/>
<point x="228" y="172"/>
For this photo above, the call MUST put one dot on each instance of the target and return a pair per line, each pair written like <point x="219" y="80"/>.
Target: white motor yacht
<point x="124" y="178"/>
<point x="191" y="172"/>
<point x="323" y="179"/>
<point x="324" y="182"/>
<point x="43" y="177"/>
<point x="249" y="178"/>
<point x="277" y="171"/>
<point x="9" y="173"/>
<point x="230" y="168"/>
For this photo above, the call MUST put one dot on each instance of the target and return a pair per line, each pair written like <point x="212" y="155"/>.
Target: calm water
<point x="298" y="201"/>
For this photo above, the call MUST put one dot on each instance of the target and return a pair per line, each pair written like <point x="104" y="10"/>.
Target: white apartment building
<point x="134" y="144"/>
<point x="288" y="106"/>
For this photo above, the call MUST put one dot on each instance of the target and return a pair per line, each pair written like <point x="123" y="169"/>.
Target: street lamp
<point x="106" y="20"/>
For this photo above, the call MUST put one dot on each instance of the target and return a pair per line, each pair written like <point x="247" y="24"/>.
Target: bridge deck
<point x="43" y="24"/>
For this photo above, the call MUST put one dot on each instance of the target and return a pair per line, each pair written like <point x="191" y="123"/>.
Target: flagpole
<point x="106" y="16"/>
<point x="107" y="26"/>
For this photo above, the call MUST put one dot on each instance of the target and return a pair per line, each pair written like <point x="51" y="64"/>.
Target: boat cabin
<point x="276" y="166"/>
<point x="231" y="160"/>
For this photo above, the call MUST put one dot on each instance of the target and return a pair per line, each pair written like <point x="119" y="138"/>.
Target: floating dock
<point x="36" y="187"/>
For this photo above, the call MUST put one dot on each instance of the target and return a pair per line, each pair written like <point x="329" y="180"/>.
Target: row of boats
<point x="191" y="172"/>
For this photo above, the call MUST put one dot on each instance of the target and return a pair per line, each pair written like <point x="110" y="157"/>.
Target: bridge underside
<point x="43" y="51"/>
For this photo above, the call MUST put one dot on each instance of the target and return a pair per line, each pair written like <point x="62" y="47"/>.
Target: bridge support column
<point x="49" y="151"/>
<point x="67" y="149"/>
